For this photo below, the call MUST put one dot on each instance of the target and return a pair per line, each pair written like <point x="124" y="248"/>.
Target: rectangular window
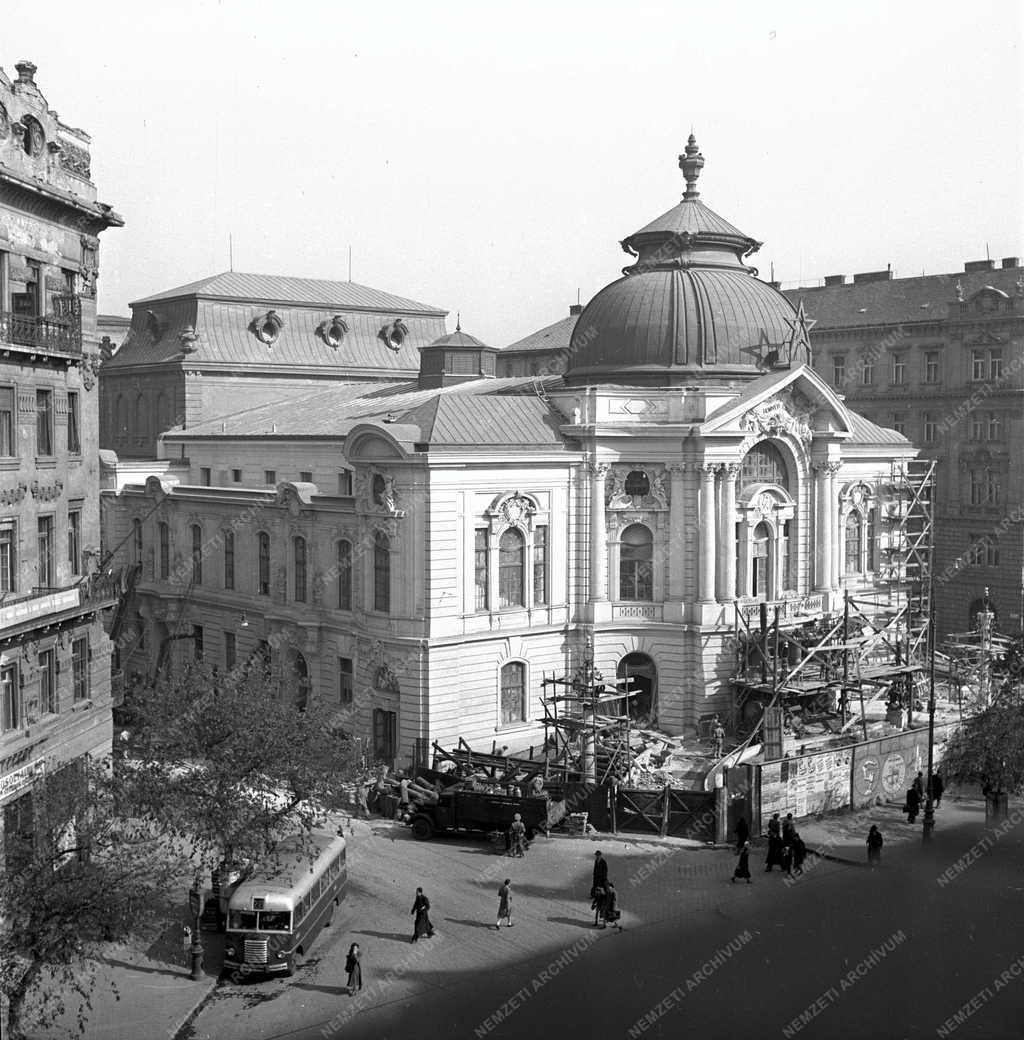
<point x="385" y="731"/>
<point x="10" y="698"/>
<point x="899" y="369"/>
<point x="8" y="558"/>
<point x="977" y="427"/>
<point x="44" y="552"/>
<point x="80" y="669"/>
<point x="977" y="364"/>
<point x="931" y="366"/>
<point x="995" y="364"/>
<point x="197" y="640"/>
<point x="540" y="565"/>
<point x="984" y="487"/>
<point x="48" y="703"/>
<point x="306" y="477"/>
<point x="74" y="432"/>
<point x="236" y="476"/>
<point x="165" y="551"/>
<point x="7" y="443"/>
<point x="345" y="482"/>
<point x="263" y="565"/>
<point x="229" y="651"/>
<point x="346" y="684"/>
<point x="867" y="370"/>
<point x="931" y="429"/>
<point x="270" y="477"/>
<point x="899" y="424"/>
<point x="344" y="575"/>
<point x="44" y="422"/>
<point x="300" y="569"/>
<point x="481" y="569"/>
<point x="839" y="369"/>
<point x="205" y="476"/>
<point x="229" y="559"/>
<point x="75" y="541"/>
<point x="197" y="554"/>
<point x="991" y="552"/>
<point x="974" y="549"/>
<point x="995" y="426"/>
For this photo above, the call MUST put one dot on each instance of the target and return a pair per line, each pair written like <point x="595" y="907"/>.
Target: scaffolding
<point x="797" y="665"/>
<point x="973" y="657"/>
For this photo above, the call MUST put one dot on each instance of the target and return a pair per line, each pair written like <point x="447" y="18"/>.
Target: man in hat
<point x="600" y="875"/>
<point x="518" y="834"/>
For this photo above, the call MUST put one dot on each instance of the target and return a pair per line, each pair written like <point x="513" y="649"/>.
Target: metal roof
<point x="553" y="337"/>
<point x="691" y="217"/>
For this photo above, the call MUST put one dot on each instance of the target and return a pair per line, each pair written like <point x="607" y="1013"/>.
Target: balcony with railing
<point x="60" y="334"/>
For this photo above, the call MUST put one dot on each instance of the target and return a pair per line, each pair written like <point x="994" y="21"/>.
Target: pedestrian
<point x="874" y="847"/>
<point x="354" y="969"/>
<point x="787" y="860"/>
<point x="504" y="904"/>
<point x="421" y="925"/>
<point x="918" y="786"/>
<point x="774" y="844"/>
<point x="599" y="904"/>
<point x="799" y="853"/>
<point x="788" y="829"/>
<point x="612" y="913"/>
<point x="600" y="873"/>
<point x="362" y="806"/>
<point x="518" y="832"/>
<point x="718" y="733"/>
<point x="743" y="867"/>
<point x="742" y="833"/>
<point x="913" y="804"/>
<point x="938" y="786"/>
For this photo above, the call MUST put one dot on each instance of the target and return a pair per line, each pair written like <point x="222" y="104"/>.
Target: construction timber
<point x="797" y="666"/>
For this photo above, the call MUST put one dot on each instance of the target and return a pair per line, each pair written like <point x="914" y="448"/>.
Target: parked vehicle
<point x="475" y="811"/>
<point x="275" y="913"/>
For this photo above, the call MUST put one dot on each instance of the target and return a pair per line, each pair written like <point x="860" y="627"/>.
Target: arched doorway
<point x="295" y="679"/>
<point x="643" y="673"/>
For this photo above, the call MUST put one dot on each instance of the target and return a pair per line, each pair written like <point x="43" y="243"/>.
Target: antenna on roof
<point x="350" y="263"/>
<point x="231" y="253"/>
<point x="988" y="256"/>
<point x="773" y="271"/>
<point x="577" y="297"/>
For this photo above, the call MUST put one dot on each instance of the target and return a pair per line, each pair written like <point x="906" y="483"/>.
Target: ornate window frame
<point x="500" y="724"/>
<point x="507" y="511"/>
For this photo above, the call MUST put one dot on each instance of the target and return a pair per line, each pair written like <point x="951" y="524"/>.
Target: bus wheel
<point x="422" y="828"/>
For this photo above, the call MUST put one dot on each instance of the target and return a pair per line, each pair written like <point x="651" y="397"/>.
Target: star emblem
<point x="799" y="336"/>
<point x="764" y="354"/>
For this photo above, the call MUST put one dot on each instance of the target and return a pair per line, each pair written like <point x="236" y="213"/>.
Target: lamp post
<point x="929" y="805"/>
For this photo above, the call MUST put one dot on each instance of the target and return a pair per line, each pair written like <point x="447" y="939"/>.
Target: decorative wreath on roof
<point x="267" y="327"/>
<point x="393" y="335"/>
<point x="332" y="331"/>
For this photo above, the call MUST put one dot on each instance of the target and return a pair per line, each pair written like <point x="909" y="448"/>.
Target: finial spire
<point x="458" y="321"/>
<point x="691" y="163"/>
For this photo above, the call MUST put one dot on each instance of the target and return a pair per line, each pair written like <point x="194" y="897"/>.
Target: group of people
<point x="916" y="794"/>
<point x="604" y="900"/>
<point x="786" y="849"/>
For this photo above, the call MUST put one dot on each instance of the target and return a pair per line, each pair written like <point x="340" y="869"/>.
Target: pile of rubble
<point x="655" y="760"/>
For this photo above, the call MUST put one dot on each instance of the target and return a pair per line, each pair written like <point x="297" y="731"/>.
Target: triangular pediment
<point x="797" y="401"/>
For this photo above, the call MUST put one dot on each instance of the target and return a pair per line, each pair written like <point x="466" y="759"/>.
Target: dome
<point x="689" y="305"/>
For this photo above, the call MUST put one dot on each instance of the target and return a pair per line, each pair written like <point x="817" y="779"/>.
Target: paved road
<point x="889" y="954"/>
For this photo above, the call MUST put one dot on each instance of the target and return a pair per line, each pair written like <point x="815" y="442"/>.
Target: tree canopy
<point x="988" y="749"/>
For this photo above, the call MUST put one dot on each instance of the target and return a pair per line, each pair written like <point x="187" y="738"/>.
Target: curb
<point x="179" y="1031"/>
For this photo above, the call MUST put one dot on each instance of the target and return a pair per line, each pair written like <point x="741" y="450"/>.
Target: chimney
<point x="26" y="72"/>
<point x="575" y="310"/>
<point x="979" y="265"/>
<point x="835" y="279"/>
<point x="873" y="276"/>
<point x="1011" y="261"/>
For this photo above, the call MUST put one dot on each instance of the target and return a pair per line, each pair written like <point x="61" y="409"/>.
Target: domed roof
<point x="689" y="304"/>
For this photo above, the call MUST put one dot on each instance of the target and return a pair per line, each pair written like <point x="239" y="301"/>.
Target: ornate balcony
<point x="46" y="335"/>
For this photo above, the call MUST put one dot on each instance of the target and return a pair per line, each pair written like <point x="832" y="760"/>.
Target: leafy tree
<point x="229" y="764"/>
<point x="76" y="873"/>
<point x="988" y="749"/>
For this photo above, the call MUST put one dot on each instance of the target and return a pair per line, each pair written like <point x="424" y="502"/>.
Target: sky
<point x="487" y="158"/>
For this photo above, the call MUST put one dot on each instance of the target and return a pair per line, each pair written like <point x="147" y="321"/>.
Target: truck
<point x="465" y="810"/>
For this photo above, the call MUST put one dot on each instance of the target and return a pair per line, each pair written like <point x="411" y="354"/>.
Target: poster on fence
<point x="806" y="785"/>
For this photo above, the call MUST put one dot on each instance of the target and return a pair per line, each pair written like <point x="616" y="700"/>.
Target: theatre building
<point x="54" y="655"/>
<point x="422" y="548"/>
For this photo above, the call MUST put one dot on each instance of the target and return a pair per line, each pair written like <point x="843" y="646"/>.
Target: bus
<point x="276" y="912"/>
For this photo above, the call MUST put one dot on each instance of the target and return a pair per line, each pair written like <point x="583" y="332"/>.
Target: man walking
<point x="518" y="835"/>
<point x="938" y="786"/>
<point x="422" y="924"/>
<point x="504" y="904"/>
<point x="742" y="833"/>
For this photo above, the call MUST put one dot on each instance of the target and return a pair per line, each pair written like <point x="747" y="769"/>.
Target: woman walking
<point x="354" y="969"/>
<point x="874" y="847"/>
<point x="422" y="925"/>
<point x="743" y="867"/>
<point x="504" y="904"/>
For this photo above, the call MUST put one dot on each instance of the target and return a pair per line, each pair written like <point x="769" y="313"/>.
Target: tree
<point x="76" y="873"/>
<point x="988" y="750"/>
<point x="229" y="764"/>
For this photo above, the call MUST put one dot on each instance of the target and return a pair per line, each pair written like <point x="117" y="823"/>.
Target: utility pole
<point x="929" y="805"/>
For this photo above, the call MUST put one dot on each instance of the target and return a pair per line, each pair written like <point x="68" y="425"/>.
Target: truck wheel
<point x="422" y="828"/>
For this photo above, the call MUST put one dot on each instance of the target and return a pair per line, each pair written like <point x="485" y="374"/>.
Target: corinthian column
<point x="836" y="535"/>
<point x="677" y="532"/>
<point x="727" y="541"/>
<point x="598" y="534"/>
<point x="826" y="533"/>
<point x="708" y="531"/>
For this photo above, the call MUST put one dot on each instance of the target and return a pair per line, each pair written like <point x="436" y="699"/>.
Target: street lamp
<point x="929" y="805"/>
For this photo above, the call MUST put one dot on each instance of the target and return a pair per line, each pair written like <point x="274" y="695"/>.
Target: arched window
<point x="263" y="564"/>
<point x="165" y="550"/>
<point x="513" y="693"/>
<point x="197" y="554"/>
<point x="382" y="573"/>
<point x="636" y="563"/>
<point x="136" y="540"/>
<point x="121" y="418"/>
<point x="511" y="554"/>
<point x="870" y="539"/>
<point x="299" y="552"/>
<point x="764" y="464"/>
<point x="344" y="575"/>
<point x="854" y="543"/>
<point x="759" y="561"/>
<point x="141" y="417"/>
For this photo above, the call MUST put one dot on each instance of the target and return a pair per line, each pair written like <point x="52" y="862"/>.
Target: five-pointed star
<point x="800" y="327"/>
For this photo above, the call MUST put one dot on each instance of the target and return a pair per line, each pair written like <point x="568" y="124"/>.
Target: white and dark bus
<point x="276" y="913"/>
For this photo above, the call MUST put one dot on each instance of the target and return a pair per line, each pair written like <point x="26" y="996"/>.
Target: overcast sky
<point x="489" y="158"/>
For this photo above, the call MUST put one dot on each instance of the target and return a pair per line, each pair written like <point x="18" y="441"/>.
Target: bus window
<point x="240" y="920"/>
<point x="275" y="921"/>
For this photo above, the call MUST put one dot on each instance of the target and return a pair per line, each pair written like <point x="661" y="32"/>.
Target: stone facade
<point x="55" y="681"/>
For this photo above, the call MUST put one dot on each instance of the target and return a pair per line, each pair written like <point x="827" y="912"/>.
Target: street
<point x="844" y="951"/>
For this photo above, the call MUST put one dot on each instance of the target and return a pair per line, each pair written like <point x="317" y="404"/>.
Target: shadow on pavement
<point x="402" y="937"/>
<point x="470" y="923"/>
